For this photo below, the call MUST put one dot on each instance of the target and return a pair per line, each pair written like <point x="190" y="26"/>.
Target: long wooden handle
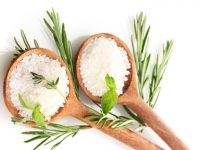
<point x="123" y="134"/>
<point x="156" y="123"/>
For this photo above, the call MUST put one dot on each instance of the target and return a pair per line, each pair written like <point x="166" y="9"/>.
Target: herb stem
<point x="134" y="116"/>
<point x="59" y="91"/>
<point x="56" y="88"/>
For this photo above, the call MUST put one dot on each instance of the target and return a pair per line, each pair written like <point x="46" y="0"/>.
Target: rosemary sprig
<point x="157" y="73"/>
<point x="114" y="122"/>
<point x="141" y="55"/>
<point x="142" y="59"/>
<point x="63" y="44"/>
<point x="146" y="75"/>
<point x="140" y="40"/>
<point x="21" y="49"/>
<point x="37" y="78"/>
<point x="53" y="133"/>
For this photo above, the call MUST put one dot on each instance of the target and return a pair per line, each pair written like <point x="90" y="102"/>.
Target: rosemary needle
<point x="19" y="48"/>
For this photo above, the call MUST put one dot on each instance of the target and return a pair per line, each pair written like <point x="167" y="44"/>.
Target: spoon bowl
<point x="120" y="43"/>
<point x="131" y="97"/>
<point x="13" y="65"/>
<point x="74" y="107"/>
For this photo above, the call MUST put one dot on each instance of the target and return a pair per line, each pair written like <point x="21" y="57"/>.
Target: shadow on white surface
<point x="5" y="60"/>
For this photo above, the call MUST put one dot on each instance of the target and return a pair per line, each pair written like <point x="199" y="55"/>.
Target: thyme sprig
<point x="63" y="44"/>
<point x="37" y="78"/>
<point x="147" y="76"/>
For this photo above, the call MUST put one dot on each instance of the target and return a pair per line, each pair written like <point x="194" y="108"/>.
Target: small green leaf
<point x="108" y="101"/>
<point x="24" y="104"/>
<point x="38" y="117"/>
<point x="110" y="82"/>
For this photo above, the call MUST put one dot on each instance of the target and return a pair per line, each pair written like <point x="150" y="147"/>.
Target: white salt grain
<point x="102" y="56"/>
<point x="21" y="83"/>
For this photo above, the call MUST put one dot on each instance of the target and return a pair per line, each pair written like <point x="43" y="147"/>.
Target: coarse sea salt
<point x="103" y="56"/>
<point x="21" y="82"/>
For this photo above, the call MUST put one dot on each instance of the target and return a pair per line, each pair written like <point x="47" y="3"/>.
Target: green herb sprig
<point x="53" y="133"/>
<point x="63" y="44"/>
<point x="37" y="78"/>
<point x="147" y="76"/>
<point x="141" y="55"/>
<point x="158" y="72"/>
<point x="110" y="98"/>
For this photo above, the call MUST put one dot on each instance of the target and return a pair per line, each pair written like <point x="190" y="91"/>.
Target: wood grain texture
<point x="156" y="123"/>
<point x="131" y="98"/>
<point x="74" y="107"/>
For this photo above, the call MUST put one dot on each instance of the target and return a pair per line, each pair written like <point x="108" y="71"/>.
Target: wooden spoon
<point x="73" y="107"/>
<point x="131" y="97"/>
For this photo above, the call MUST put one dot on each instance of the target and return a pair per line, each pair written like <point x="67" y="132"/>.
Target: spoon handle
<point x="139" y="106"/>
<point x="122" y="134"/>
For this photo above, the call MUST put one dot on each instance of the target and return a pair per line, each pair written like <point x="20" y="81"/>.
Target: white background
<point x="179" y="103"/>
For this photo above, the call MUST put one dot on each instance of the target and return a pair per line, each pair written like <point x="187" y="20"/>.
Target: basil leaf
<point x="110" y="98"/>
<point x="110" y="82"/>
<point x="38" y="117"/>
<point x="108" y="101"/>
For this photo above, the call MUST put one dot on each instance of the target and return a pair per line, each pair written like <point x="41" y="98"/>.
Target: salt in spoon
<point x="74" y="107"/>
<point x="131" y="97"/>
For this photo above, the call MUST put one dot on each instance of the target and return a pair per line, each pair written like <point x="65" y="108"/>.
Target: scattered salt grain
<point x="102" y="56"/>
<point x="21" y="83"/>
